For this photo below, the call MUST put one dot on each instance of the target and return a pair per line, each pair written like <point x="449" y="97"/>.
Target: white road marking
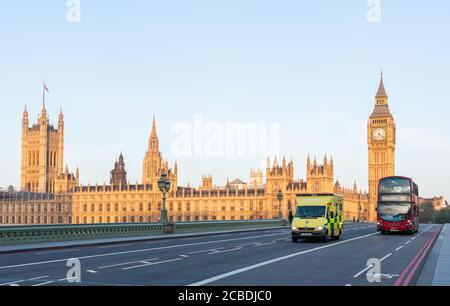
<point x="399" y="248"/>
<point x="134" y="251"/>
<point x="268" y="262"/>
<point x="184" y="256"/>
<point x="199" y="252"/>
<point x="249" y="244"/>
<point x="390" y="254"/>
<point x="151" y="264"/>
<point x="126" y="263"/>
<point x="266" y="243"/>
<point x="92" y="271"/>
<point x="45" y="283"/>
<point x="21" y="281"/>
<point x="423" y="232"/>
<point x="66" y="279"/>
<point x="14" y="282"/>
<point x="386" y="257"/>
<point x="219" y="251"/>
<point x="40" y="277"/>
<point x="362" y="271"/>
<point x="371" y="266"/>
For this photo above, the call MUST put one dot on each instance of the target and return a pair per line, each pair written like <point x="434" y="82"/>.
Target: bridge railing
<point x="47" y="233"/>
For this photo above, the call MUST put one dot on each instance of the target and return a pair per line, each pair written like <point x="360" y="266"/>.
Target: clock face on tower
<point x="379" y="134"/>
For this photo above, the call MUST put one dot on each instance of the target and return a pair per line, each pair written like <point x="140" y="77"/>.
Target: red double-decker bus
<point x="398" y="205"/>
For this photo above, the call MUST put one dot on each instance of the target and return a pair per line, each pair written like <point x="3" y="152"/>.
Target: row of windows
<point x="33" y="207"/>
<point x="142" y="219"/>
<point x="34" y="220"/>
<point x="33" y="158"/>
<point x="379" y="121"/>
<point x="187" y="207"/>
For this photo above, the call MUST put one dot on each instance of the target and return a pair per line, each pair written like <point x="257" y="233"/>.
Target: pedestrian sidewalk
<point x="441" y="275"/>
<point x="42" y="246"/>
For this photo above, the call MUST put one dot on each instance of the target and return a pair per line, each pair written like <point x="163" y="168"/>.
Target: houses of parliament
<point x="51" y="194"/>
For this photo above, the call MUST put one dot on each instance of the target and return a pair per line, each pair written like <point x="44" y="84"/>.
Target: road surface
<point x="236" y="259"/>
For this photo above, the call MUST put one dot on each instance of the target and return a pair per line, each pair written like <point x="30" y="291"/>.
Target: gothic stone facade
<point x="42" y="172"/>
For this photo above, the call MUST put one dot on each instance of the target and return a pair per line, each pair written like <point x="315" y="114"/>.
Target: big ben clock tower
<point x="381" y="138"/>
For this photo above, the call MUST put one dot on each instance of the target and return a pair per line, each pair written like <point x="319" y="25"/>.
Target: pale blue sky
<point x="312" y="66"/>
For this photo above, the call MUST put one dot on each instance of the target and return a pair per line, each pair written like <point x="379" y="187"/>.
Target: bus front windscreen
<point x="305" y="212"/>
<point x="395" y="185"/>
<point x="393" y="212"/>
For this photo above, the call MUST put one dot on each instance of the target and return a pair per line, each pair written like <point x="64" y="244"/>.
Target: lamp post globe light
<point x="280" y="200"/>
<point x="164" y="186"/>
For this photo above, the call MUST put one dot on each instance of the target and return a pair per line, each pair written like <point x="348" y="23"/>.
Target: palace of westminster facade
<point x="50" y="194"/>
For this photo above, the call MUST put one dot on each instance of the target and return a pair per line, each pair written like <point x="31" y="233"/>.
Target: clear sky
<point x="311" y="66"/>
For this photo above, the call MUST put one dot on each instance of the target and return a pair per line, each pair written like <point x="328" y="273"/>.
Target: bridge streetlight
<point x="164" y="186"/>
<point x="280" y="199"/>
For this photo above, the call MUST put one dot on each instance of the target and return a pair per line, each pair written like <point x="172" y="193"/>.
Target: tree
<point x="443" y="216"/>
<point x="427" y="213"/>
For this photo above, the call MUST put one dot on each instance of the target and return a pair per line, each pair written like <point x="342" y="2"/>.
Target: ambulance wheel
<point x="294" y="239"/>
<point x="324" y="238"/>
<point x="337" y="237"/>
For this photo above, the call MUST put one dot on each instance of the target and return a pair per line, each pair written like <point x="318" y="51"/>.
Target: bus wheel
<point x="294" y="239"/>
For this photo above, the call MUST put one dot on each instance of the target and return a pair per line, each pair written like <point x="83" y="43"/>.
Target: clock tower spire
<point x="381" y="139"/>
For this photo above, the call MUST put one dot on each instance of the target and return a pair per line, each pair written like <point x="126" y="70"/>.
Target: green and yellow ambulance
<point x="318" y="216"/>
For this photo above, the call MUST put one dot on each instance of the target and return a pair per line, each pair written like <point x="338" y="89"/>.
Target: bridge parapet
<point x="45" y="233"/>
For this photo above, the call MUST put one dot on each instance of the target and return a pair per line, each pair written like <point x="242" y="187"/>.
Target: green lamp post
<point x="164" y="186"/>
<point x="280" y="200"/>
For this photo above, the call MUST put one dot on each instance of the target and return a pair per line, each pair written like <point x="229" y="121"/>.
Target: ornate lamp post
<point x="164" y="186"/>
<point x="280" y="199"/>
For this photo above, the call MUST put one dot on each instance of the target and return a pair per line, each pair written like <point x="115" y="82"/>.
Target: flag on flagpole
<point x="46" y="88"/>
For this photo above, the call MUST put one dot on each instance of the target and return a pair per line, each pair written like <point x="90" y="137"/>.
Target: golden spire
<point x="154" y="126"/>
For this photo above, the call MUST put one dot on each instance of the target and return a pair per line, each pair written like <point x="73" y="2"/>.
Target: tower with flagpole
<point x="42" y="150"/>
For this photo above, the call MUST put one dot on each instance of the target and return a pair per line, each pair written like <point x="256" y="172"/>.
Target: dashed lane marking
<point x="125" y="263"/>
<point x="219" y="251"/>
<point x="135" y="251"/>
<point x="278" y="259"/>
<point x="151" y="264"/>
